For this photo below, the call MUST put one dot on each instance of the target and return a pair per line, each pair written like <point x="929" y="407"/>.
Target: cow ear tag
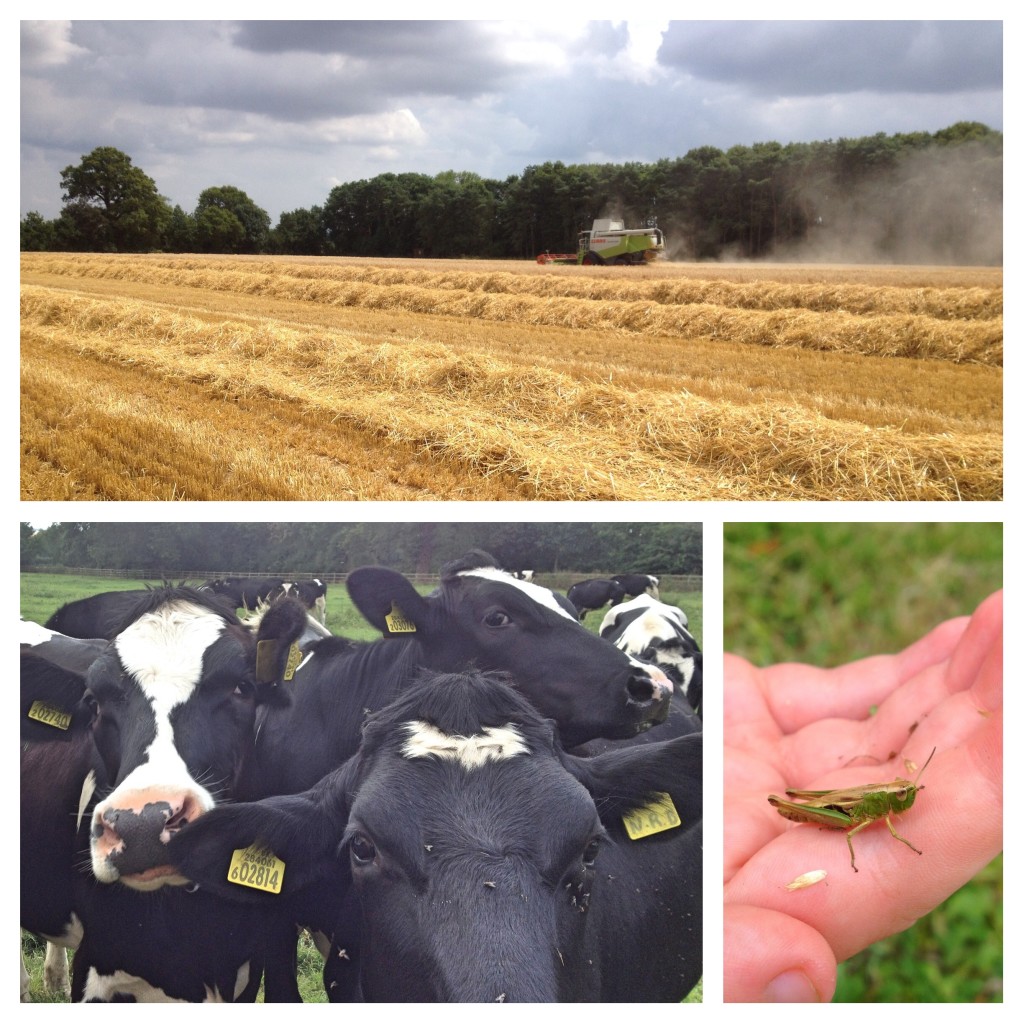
<point x="657" y="816"/>
<point x="266" y="661"/>
<point x="257" y="868"/>
<point x="397" y="622"/>
<point x="49" y="714"/>
<point x="294" y="657"/>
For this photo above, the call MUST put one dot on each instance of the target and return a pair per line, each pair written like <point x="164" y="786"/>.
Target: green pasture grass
<point x="43" y="593"/>
<point x="829" y="593"/>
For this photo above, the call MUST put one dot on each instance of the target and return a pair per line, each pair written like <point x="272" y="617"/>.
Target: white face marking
<point x="493" y="744"/>
<point x="541" y="595"/>
<point x="163" y="652"/>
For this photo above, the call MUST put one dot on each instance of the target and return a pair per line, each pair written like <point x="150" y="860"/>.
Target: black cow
<point x="146" y="740"/>
<point x="488" y="865"/>
<point x="57" y="801"/>
<point x="479" y="616"/>
<point x="636" y="583"/>
<point x="245" y="592"/>
<point x="588" y="595"/>
<point x="654" y="631"/>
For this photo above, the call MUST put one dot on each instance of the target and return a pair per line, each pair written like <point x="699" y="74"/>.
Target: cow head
<point x="484" y="618"/>
<point x="472" y="841"/>
<point x="174" y="699"/>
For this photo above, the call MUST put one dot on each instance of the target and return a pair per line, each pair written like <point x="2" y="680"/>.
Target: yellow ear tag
<point x="294" y="657"/>
<point x="397" y="622"/>
<point x="49" y="714"/>
<point x="256" y="868"/>
<point x="266" y="661"/>
<point x="658" y="816"/>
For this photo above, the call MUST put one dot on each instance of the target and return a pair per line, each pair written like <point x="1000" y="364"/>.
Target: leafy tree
<point x="37" y="233"/>
<point x="211" y="226"/>
<point x="219" y="230"/>
<point x="114" y="206"/>
<point x="300" y="233"/>
<point x="181" y="231"/>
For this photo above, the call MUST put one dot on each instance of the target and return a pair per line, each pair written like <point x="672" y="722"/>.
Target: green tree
<point x="37" y="233"/>
<point x="300" y="233"/>
<point x="114" y="206"/>
<point x="181" y="232"/>
<point x="218" y="230"/>
<point x="254" y="221"/>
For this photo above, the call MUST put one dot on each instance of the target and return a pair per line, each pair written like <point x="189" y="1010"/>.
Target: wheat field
<point x="230" y="378"/>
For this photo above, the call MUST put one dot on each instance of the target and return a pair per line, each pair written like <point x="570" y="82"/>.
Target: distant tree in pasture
<point x="113" y="206"/>
<point x="213" y="227"/>
<point x="37" y="233"/>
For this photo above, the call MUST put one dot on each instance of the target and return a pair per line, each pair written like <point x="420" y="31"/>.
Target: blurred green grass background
<point x="829" y="593"/>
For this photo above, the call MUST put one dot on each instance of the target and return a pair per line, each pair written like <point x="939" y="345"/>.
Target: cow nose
<point x="649" y="685"/>
<point x="132" y="837"/>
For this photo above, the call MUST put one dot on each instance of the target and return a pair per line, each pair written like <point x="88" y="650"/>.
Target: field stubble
<point x="218" y="378"/>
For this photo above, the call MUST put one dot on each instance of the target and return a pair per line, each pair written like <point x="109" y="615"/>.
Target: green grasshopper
<point x="854" y="808"/>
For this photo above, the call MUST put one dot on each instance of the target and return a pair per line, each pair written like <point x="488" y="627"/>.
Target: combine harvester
<point x="609" y="241"/>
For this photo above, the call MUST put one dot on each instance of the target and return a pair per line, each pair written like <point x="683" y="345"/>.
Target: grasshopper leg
<point x="896" y="835"/>
<point x="849" y="840"/>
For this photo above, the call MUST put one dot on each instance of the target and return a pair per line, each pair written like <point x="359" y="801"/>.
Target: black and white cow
<point x="478" y="615"/>
<point x="243" y="591"/>
<point x="653" y="631"/>
<point x="588" y="595"/>
<point x="312" y="593"/>
<point x="101" y="615"/>
<point x="636" y="583"/>
<point x="114" y="761"/>
<point x="486" y="864"/>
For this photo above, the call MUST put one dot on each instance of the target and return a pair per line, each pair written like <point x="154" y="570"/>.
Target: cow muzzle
<point x="129" y="839"/>
<point x="650" y="690"/>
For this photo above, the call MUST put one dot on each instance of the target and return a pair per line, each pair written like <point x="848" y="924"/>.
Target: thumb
<point x="774" y="958"/>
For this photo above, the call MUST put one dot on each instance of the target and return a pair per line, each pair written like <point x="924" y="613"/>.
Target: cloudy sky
<point x="286" y="110"/>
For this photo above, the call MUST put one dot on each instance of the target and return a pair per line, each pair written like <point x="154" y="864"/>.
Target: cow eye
<point x="497" y="619"/>
<point x="590" y="853"/>
<point x="245" y="689"/>
<point x="362" y="849"/>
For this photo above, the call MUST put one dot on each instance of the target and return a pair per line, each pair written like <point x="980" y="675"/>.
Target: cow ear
<point x="277" y="651"/>
<point x="296" y="835"/>
<point x="622" y="779"/>
<point x="388" y="601"/>
<point x="51" y="704"/>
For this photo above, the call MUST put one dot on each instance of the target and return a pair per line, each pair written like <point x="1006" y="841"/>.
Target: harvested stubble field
<point x="232" y="378"/>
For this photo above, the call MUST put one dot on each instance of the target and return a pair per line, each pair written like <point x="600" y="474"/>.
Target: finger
<point x="797" y="695"/>
<point x="770" y="957"/>
<point x="955" y="823"/>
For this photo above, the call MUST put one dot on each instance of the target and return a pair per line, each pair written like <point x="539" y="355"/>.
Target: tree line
<point x="319" y="548"/>
<point x="942" y="189"/>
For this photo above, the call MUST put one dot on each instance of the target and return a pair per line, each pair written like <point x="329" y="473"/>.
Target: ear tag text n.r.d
<point x="657" y="816"/>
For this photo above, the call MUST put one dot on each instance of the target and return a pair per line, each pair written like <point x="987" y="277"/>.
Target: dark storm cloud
<point x="287" y="110"/>
<point x="808" y="58"/>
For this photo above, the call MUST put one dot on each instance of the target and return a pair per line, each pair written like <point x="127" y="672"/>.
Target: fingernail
<point x="791" y="987"/>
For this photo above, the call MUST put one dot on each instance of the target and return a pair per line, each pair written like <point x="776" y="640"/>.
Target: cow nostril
<point x="640" y="687"/>
<point x="187" y="812"/>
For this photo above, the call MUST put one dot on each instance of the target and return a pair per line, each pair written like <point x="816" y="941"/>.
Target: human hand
<point x="795" y="726"/>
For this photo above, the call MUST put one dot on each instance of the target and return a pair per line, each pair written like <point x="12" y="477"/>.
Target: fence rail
<point x="555" y="580"/>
